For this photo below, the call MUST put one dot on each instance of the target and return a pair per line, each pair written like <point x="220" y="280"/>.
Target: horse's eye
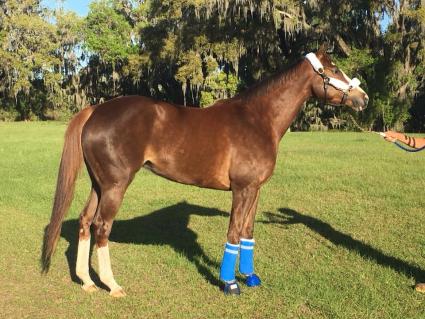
<point x="335" y="70"/>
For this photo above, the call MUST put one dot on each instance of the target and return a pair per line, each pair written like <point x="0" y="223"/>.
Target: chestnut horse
<point x="231" y="145"/>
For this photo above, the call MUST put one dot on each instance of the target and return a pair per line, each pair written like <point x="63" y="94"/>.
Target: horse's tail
<point x="71" y="162"/>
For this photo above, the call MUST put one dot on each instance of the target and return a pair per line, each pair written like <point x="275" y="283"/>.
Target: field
<point x="340" y="233"/>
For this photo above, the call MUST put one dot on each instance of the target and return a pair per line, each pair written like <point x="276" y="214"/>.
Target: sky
<point x="79" y="6"/>
<point x="386" y="20"/>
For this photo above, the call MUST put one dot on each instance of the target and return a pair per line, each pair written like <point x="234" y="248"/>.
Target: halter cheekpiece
<point x="327" y="80"/>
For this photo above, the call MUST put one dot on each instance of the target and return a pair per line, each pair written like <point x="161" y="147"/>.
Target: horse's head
<point x="332" y="85"/>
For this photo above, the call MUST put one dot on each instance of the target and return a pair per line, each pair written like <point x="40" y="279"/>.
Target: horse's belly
<point x="206" y="176"/>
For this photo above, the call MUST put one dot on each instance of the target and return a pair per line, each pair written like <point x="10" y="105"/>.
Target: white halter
<point x="337" y="84"/>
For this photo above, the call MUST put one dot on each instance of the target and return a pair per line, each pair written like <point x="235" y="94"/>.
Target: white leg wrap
<point x="105" y="270"/>
<point x="82" y="267"/>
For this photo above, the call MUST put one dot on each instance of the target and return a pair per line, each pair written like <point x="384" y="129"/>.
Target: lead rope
<point x="357" y="125"/>
<point x="411" y="150"/>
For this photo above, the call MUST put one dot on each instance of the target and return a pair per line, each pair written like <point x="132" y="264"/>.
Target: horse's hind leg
<point x="110" y="202"/>
<point x="86" y="218"/>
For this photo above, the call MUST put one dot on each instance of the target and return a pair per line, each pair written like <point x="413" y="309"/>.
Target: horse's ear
<point x="323" y="48"/>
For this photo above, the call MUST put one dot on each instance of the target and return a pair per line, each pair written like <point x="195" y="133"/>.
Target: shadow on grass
<point x="166" y="226"/>
<point x="289" y="216"/>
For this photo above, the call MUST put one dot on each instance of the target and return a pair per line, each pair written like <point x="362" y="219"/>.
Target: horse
<point x="231" y="145"/>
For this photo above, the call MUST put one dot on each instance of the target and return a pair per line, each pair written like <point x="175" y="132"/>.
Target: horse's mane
<point x="279" y="79"/>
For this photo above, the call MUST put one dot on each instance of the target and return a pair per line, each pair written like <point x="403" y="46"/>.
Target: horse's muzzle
<point x="360" y="103"/>
<point x="366" y="101"/>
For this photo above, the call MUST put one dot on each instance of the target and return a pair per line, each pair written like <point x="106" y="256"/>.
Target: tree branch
<point x="284" y="13"/>
<point x="342" y="45"/>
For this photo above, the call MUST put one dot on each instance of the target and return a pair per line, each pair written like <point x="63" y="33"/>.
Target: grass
<point x="340" y="233"/>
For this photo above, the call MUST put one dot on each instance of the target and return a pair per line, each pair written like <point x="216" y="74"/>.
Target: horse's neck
<point x="280" y="104"/>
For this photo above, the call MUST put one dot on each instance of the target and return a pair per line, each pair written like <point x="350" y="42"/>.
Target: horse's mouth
<point x="359" y="105"/>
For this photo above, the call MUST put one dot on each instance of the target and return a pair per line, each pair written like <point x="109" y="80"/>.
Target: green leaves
<point x="199" y="51"/>
<point x="190" y="69"/>
<point x="107" y="32"/>
<point x="27" y="51"/>
<point x="218" y="85"/>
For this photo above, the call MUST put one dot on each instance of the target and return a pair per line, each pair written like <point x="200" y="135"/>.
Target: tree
<point x="195" y="52"/>
<point x="404" y="45"/>
<point x="27" y="54"/>
<point x="108" y="38"/>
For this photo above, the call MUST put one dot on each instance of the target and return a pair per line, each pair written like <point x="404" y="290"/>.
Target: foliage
<point x="218" y="85"/>
<point x="404" y="64"/>
<point x="107" y="32"/>
<point x="197" y="51"/>
<point x="26" y="54"/>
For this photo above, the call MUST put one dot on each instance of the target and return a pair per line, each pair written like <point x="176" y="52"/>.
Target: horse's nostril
<point x="366" y="101"/>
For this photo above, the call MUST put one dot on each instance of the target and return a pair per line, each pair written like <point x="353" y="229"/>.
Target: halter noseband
<point x="345" y="88"/>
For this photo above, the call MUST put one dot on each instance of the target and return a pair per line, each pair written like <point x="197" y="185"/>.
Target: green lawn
<point x="340" y="233"/>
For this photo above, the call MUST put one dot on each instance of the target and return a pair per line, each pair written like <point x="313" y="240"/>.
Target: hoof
<point x="253" y="280"/>
<point x="231" y="288"/>
<point x="89" y="288"/>
<point x="420" y="287"/>
<point x="118" y="293"/>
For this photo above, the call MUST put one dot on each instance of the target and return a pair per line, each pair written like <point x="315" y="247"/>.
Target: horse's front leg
<point x="243" y="202"/>
<point x="247" y="243"/>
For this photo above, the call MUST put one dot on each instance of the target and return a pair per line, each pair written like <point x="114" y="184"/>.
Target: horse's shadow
<point x="288" y="216"/>
<point x="166" y="226"/>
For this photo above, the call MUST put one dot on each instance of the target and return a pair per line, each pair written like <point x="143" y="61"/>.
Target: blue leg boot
<point x="227" y="269"/>
<point x="246" y="263"/>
